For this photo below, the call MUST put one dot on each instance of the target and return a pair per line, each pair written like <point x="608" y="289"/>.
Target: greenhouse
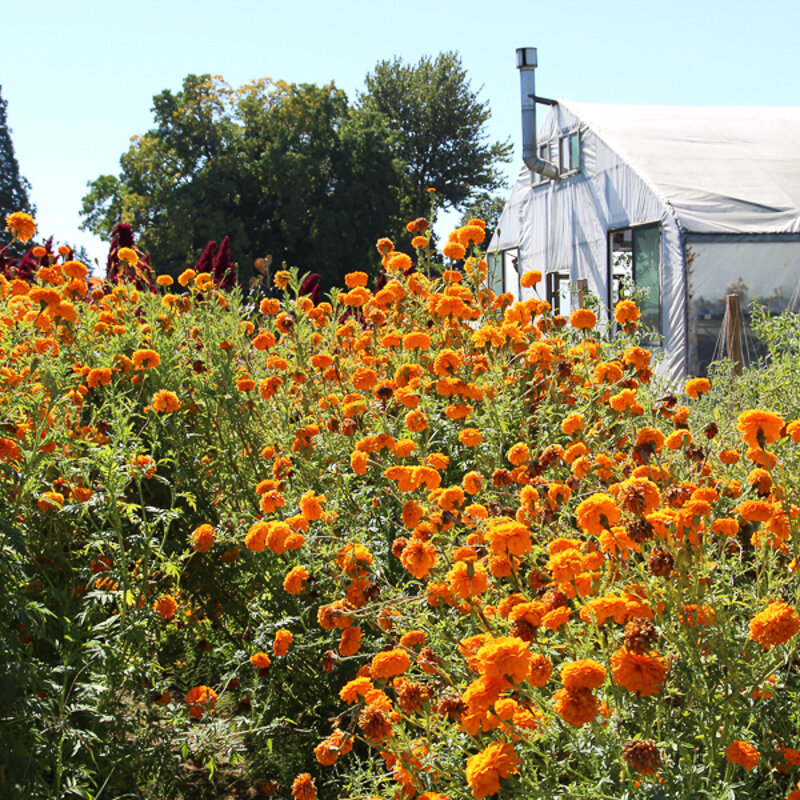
<point x="688" y="203"/>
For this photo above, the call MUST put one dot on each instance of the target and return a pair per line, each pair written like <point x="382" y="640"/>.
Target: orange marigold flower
<point x="358" y="687"/>
<point x="583" y="319"/>
<point x="597" y="513"/>
<point x="98" y="377"/>
<point x="416" y="340"/>
<point x="644" y="673"/>
<point x="518" y="454"/>
<point x="776" y="624"/>
<point x="146" y="359"/>
<point x="759" y="427"/>
<point x="282" y="642"/>
<point x="200" y="699"/>
<point x="576" y="706"/>
<point x="572" y="424"/>
<point x="75" y="270"/>
<point x="728" y="457"/>
<point x="350" y="641"/>
<point x="583" y="674"/>
<point x="472" y="482"/>
<point x="358" y="462"/>
<point x="304" y="787"/>
<point x="256" y="538"/>
<point x="485" y="769"/>
<point x="725" y="526"/>
<point x="398" y="262"/>
<point x="695" y="616"/>
<point x="354" y="560"/>
<point x="454" y="250"/>
<point x="260" y="660"/>
<point x="637" y="357"/>
<point x="697" y="386"/>
<point x="389" y="663"/>
<point x="311" y="505"/>
<point x="329" y="750"/>
<point x="541" y="670"/>
<point x="21" y="226"/>
<point x="417" y="225"/>
<point x="384" y="246"/>
<point x="508" y="537"/>
<point x="166" y="606"/>
<point x="465" y="580"/>
<point x="530" y="278"/>
<point x="471" y="437"/>
<point x="128" y="255"/>
<point x="416" y="421"/>
<point x="624" y="400"/>
<point x="505" y="657"/>
<point x="743" y="754"/>
<point x="626" y="311"/>
<point x="355" y="279"/>
<point x="756" y="510"/>
<point x="165" y="402"/>
<point x="49" y="500"/>
<point x="202" y="538"/>
<point x="419" y="557"/>
<point x="470" y="234"/>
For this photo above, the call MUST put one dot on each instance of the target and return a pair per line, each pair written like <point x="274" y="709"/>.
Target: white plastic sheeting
<point x="693" y="170"/>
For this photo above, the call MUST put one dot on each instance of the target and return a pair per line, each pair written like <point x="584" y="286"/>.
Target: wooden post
<point x="733" y="331"/>
<point x="582" y="285"/>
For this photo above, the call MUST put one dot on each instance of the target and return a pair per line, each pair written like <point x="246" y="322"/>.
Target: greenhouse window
<point x="559" y="292"/>
<point x="635" y="263"/>
<point x="500" y="265"/>
<point x="569" y="151"/>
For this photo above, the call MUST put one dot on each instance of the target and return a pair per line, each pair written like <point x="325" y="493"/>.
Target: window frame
<point x="566" y="167"/>
<point x="610" y="276"/>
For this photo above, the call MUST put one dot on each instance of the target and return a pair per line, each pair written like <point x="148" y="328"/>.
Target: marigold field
<point x="415" y="541"/>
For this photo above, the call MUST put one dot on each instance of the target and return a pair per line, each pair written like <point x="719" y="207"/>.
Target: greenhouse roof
<point x="722" y="169"/>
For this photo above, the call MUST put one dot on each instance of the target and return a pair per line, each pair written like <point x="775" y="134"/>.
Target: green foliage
<point x="438" y="124"/>
<point x="283" y="169"/>
<point x="13" y="187"/>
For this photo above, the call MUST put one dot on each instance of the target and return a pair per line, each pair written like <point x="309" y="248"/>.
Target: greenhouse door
<point x="635" y="260"/>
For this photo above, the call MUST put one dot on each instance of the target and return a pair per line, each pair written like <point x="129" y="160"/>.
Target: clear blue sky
<point x="79" y="75"/>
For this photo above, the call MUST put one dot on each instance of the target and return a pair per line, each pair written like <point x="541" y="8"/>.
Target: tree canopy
<point x="297" y="172"/>
<point x="288" y="170"/>
<point x="13" y="187"/>
<point x="438" y="124"/>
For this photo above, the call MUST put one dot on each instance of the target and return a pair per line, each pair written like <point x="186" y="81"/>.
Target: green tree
<point x="282" y="169"/>
<point x="13" y="187"/>
<point x="438" y="123"/>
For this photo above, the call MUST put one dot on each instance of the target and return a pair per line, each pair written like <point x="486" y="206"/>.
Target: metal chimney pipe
<point x="526" y="64"/>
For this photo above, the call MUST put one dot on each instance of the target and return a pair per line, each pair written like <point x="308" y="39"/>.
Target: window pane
<point x="646" y="262"/>
<point x="574" y="151"/>
<point x="495" y="270"/>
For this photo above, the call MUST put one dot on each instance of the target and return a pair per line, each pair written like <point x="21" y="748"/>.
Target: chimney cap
<point x="526" y="58"/>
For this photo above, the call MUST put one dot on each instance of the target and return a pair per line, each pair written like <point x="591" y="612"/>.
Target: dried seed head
<point x="640" y="635"/>
<point x="660" y="562"/>
<point x="452" y="706"/>
<point x="639" y="530"/>
<point x="641" y="755"/>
